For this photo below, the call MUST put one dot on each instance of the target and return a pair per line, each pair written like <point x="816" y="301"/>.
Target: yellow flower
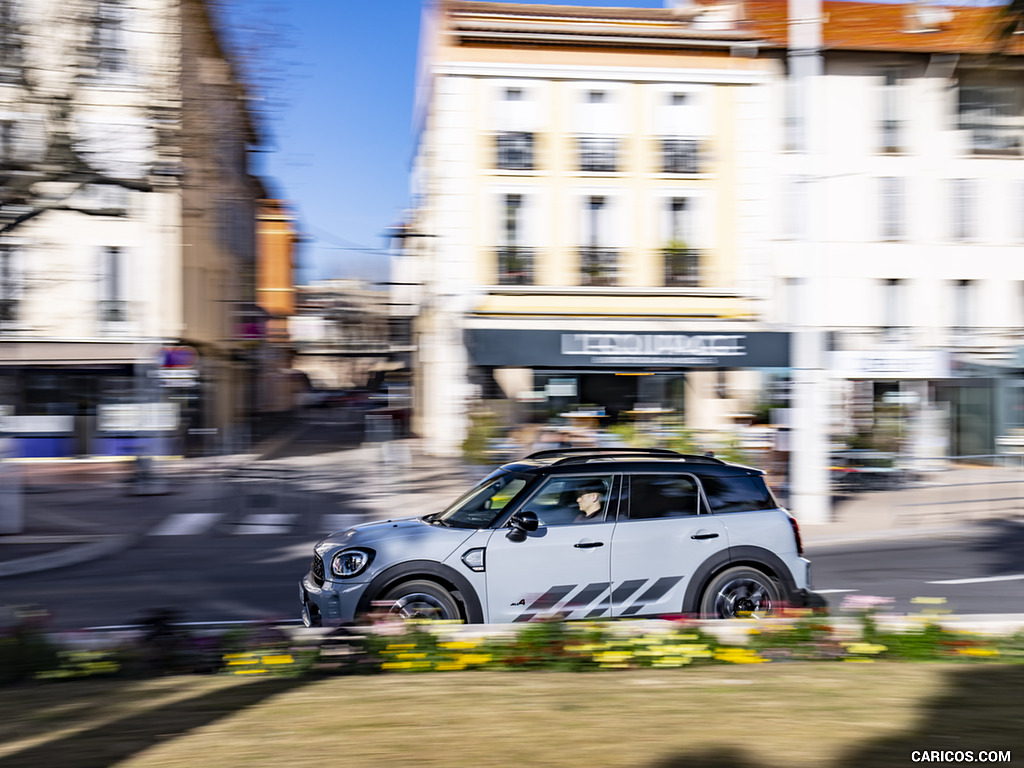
<point x="282" y="658"/>
<point x="869" y="648"/>
<point x="612" y="657"/>
<point x="739" y="656"/>
<point x="449" y="666"/>
<point x="475" y="658"/>
<point x="978" y="651"/>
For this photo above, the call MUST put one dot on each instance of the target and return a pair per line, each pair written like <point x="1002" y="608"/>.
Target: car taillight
<point x="796" y="535"/>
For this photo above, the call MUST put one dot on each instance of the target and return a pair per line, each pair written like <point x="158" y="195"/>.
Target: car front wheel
<point x="740" y="593"/>
<point x="422" y="600"/>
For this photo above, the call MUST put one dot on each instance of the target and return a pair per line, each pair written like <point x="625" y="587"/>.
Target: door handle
<point x="703" y="536"/>
<point x="589" y="544"/>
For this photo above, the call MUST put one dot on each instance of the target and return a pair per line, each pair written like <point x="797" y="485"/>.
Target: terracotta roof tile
<point x="884" y="27"/>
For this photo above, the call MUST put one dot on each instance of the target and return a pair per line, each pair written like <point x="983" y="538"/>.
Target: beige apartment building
<point x="590" y="223"/>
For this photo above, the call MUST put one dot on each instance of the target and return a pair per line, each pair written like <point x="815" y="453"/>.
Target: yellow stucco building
<point x="589" y="187"/>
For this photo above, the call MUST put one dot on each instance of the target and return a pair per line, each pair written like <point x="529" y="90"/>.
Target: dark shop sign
<point x="534" y="348"/>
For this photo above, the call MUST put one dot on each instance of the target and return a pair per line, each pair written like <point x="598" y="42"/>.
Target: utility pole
<point x="809" y="479"/>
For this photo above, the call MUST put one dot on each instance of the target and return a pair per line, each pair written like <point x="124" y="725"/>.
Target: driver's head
<point x="589" y="495"/>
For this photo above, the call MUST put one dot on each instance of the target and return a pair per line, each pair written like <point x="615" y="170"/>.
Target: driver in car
<point x="589" y="498"/>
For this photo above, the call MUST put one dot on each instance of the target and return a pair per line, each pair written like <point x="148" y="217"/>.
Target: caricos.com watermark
<point x="960" y="756"/>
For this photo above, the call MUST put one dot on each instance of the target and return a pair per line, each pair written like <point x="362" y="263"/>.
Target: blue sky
<point x="342" y="142"/>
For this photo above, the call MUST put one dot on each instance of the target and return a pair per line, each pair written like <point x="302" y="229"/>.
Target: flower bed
<point x="162" y="646"/>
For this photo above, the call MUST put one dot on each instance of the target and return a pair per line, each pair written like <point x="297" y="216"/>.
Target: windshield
<point x="480" y="507"/>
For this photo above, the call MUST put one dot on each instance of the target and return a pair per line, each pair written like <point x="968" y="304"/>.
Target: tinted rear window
<point x="737" y="494"/>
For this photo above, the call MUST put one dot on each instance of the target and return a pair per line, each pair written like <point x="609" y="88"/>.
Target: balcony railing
<point x="679" y="155"/>
<point x="598" y="154"/>
<point x="682" y="267"/>
<point x="599" y="266"/>
<point x="515" y="265"/>
<point x="112" y="311"/>
<point x="514" y="151"/>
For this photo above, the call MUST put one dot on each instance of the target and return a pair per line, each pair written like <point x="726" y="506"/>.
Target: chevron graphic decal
<point x="590" y="594"/>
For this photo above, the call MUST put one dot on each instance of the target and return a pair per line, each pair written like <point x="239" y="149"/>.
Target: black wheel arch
<point x="756" y="557"/>
<point x="424" y="570"/>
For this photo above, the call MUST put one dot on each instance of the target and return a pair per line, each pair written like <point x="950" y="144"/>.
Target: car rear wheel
<point x="740" y="593"/>
<point x="422" y="600"/>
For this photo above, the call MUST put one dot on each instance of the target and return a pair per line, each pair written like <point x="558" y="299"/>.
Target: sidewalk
<point x="78" y="511"/>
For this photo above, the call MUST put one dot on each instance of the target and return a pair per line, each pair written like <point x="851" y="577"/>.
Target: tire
<point x="422" y="600"/>
<point x="740" y="593"/>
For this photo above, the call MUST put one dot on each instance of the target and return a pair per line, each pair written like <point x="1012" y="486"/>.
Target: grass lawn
<point x="746" y="716"/>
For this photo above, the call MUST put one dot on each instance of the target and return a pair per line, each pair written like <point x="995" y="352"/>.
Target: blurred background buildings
<point x="802" y="214"/>
<point x="127" y="261"/>
<point x="786" y="226"/>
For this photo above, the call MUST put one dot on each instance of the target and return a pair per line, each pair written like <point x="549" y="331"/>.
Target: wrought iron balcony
<point x="599" y="266"/>
<point x="515" y="265"/>
<point x="515" y="151"/>
<point x="112" y="311"/>
<point x="598" y="154"/>
<point x="682" y="267"/>
<point x="680" y="155"/>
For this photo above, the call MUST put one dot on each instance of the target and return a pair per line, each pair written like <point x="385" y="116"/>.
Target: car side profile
<point x="578" y="534"/>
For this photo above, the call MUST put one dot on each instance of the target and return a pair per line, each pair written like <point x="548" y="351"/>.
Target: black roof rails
<point x="580" y="455"/>
<point x="579" y="451"/>
<point x="691" y="458"/>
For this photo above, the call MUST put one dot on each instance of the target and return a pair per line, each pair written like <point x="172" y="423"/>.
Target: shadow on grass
<point x="113" y="742"/>
<point x="980" y="710"/>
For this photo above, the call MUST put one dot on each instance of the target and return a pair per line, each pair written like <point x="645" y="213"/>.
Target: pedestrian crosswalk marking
<point x="186" y="524"/>
<point x="266" y="522"/>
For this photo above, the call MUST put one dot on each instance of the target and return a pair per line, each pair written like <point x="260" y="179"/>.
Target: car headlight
<point x="350" y="562"/>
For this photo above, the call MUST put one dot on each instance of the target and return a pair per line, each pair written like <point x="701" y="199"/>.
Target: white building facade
<point x="127" y="250"/>
<point x="899" y="174"/>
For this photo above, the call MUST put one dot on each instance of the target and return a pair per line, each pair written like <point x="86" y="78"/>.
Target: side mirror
<point x="521" y="523"/>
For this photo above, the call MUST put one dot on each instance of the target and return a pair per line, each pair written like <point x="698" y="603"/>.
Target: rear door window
<point x="654" y="497"/>
<point x="737" y="494"/>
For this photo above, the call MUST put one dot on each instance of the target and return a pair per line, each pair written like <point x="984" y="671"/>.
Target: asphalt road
<point x="225" y="575"/>
<point x="976" y="573"/>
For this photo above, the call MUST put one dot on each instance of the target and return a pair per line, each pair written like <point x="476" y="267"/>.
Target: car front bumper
<point x="328" y="604"/>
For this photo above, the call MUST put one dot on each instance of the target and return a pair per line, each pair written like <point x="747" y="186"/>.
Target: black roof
<point x="567" y="460"/>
